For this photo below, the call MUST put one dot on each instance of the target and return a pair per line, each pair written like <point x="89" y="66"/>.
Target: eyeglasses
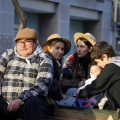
<point x="26" y="42"/>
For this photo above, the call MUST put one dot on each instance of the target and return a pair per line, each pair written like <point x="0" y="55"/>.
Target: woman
<point x="76" y="66"/>
<point x="56" y="47"/>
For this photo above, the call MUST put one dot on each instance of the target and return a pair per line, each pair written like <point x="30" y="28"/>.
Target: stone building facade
<point x="58" y="16"/>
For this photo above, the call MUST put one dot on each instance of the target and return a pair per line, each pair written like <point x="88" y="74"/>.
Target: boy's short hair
<point x="101" y="48"/>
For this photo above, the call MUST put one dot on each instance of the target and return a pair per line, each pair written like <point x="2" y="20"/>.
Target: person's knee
<point x="35" y="102"/>
<point x="34" y="108"/>
<point x="31" y="102"/>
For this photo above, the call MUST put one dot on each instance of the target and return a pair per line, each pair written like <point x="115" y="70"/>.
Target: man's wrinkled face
<point x="25" y="47"/>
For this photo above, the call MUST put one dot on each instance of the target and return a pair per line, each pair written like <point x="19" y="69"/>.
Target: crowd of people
<point x="32" y="76"/>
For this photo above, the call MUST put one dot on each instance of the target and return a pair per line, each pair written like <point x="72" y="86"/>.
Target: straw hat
<point x="54" y="37"/>
<point x="26" y="33"/>
<point x="87" y="36"/>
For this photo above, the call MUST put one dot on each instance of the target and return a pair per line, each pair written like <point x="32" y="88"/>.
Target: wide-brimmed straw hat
<point x="54" y="37"/>
<point x="26" y="33"/>
<point x="87" y="36"/>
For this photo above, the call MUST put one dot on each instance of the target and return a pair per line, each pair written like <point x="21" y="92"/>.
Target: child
<point x="94" y="72"/>
<point x="109" y="79"/>
<point x="91" y="102"/>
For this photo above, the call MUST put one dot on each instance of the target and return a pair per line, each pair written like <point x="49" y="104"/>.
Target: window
<point x="100" y="1"/>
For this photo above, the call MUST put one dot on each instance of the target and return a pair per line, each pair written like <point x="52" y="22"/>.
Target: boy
<point x="109" y="79"/>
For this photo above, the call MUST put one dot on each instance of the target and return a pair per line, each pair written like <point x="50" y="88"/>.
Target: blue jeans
<point x="66" y="102"/>
<point x="71" y="94"/>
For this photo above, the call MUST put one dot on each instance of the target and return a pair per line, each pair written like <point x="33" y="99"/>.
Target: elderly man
<point x="26" y="73"/>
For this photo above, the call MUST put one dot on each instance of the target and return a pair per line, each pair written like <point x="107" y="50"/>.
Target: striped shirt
<point x="25" y="77"/>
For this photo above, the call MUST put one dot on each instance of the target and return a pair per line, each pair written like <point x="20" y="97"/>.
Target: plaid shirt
<point x="25" y="77"/>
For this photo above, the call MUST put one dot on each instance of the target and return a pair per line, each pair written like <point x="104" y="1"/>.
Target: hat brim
<point x="79" y="35"/>
<point x="67" y="44"/>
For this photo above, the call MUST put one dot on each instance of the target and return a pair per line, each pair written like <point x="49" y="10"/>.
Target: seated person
<point x="26" y="73"/>
<point x="108" y="81"/>
<point x="56" y="47"/>
<point x="76" y="66"/>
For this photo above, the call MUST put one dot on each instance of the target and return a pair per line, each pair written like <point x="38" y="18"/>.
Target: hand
<point x="82" y="83"/>
<point x="64" y="97"/>
<point x="13" y="105"/>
